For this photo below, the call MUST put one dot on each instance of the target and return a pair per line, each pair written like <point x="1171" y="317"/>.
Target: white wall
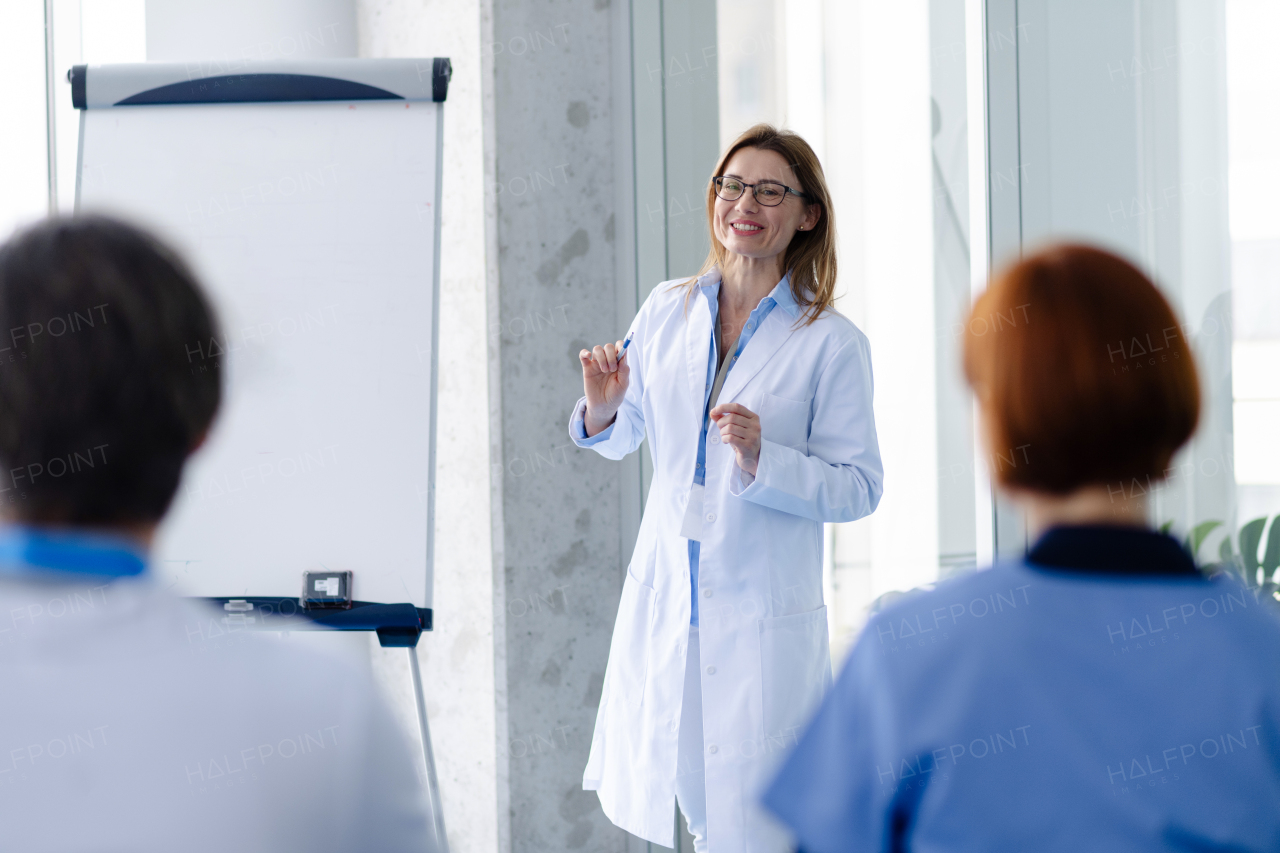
<point x="23" y="179"/>
<point x="463" y="667"/>
<point x="461" y="675"/>
<point x="232" y="32"/>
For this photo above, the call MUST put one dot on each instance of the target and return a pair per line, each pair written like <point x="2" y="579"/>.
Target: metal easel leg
<point x="428" y="757"/>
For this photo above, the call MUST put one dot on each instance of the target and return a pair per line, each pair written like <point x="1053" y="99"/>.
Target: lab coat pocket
<point x="632" y="633"/>
<point x="784" y="421"/>
<point x="795" y="672"/>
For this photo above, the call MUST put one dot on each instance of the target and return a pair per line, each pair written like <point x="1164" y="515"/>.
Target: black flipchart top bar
<point x="237" y="82"/>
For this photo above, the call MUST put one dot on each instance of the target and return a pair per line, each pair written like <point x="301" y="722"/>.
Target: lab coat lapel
<point x="772" y="334"/>
<point x="697" y="349"/>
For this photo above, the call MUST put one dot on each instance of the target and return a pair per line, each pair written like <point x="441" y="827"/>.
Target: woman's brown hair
<point x="1082" y="371"/>
<point x="811" y="255"/>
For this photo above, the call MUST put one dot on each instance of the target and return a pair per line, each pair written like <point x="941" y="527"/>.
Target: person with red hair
<point x="1099" y="694"/>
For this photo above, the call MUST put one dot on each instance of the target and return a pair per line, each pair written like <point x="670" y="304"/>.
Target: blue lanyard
<point x="25" y="551"/>
<point x="754" y="321"/>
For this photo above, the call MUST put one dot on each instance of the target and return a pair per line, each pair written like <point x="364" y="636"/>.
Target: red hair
<point x="1082" y="372"/>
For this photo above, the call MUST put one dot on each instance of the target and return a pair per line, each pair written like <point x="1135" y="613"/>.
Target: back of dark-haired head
<point x="101" y="399"/>
<point x="1082" y="371"/>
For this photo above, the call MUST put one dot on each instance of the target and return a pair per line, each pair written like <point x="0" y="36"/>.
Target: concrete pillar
<point x="560" y="506"/>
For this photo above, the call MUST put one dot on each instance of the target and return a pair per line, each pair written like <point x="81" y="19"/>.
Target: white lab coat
<point x="762" y="623"/>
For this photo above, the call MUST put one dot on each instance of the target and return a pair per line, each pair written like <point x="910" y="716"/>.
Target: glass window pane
<point x="1253" y="126"/>
<point x="894" y="151"/>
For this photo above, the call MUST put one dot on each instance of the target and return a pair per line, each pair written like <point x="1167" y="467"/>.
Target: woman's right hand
<point x="604" y="380"/>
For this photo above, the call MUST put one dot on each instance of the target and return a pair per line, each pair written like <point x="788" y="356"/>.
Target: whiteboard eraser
<point x="322" y="590"/>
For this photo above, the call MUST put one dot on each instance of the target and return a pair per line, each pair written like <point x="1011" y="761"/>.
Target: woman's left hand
<point x="740" y="429"/>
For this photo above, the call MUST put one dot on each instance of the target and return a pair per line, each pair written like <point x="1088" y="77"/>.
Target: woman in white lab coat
<point x="756" y="398"/>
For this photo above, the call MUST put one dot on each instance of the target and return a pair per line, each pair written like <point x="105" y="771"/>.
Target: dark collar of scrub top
<point x="1112" y="550"/>
<point x="30" y="552"/>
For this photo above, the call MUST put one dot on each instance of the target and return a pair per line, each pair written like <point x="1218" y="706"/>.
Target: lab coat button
<point x="711" y="670"/>
<point x="750" y="326"/>
<point x="706" y="593"/>
<point x="711" y="516"/>
<point x="713" y="749"/>
<point x="715" y="439"/>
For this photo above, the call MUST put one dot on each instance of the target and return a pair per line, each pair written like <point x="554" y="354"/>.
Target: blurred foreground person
<point x="1100" y="694"/>
<point x="127" y="720"/>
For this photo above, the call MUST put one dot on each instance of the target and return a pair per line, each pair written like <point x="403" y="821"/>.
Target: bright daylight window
<point x="900" y="183"/>
<point x="1253" y="125"/>
<point x="901" y="210"/>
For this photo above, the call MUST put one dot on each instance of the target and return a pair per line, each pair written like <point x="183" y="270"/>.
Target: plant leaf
<point x="1164" y="528"/>
<point x="1224" y="550"/>
<point x="1197" y="536"/>
<point x="1271" y="557"/>
<point x="1250" y="536"/>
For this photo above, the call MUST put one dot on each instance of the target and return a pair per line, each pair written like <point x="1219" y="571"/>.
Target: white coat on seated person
<point x="765" y="660"/>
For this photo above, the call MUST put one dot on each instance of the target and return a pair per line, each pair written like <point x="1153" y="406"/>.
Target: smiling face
<point x="748" y="228"/>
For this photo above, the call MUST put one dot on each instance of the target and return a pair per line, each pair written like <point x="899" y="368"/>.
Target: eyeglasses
<point x="768" y="193"/>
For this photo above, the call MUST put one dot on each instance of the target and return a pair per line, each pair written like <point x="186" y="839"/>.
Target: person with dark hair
<point x="1100" y="693"/>
<point x="131" y="719"/>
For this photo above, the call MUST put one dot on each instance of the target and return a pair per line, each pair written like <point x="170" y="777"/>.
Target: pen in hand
<point x="605" y="385"/>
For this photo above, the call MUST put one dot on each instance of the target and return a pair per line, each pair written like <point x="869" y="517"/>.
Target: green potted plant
<point x="1254" y="562"/>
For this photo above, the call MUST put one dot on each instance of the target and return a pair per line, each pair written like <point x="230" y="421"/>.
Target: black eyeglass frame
<point x="718" y="180"/>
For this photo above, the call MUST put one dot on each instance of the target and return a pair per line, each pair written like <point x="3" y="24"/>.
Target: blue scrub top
<point x="1100" y="695"/>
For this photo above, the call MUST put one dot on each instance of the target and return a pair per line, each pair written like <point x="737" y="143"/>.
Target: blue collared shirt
<point x="709" y="287"/>
<point x="35" y="551"/>
<point x="128" y="708"/>
<point x="1102" y="687"/>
